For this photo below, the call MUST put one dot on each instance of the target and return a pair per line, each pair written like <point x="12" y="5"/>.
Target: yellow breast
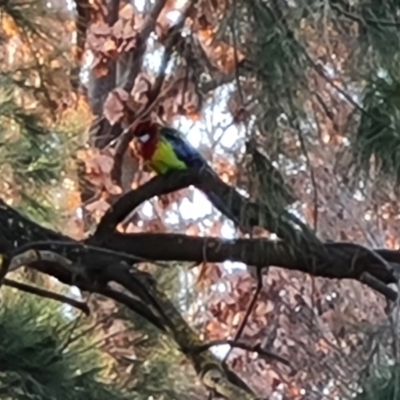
<point x="164" y="159"/>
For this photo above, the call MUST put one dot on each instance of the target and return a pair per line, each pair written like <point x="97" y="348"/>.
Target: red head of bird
<point x="146" y="134"/>
<point x="145" y="131"/>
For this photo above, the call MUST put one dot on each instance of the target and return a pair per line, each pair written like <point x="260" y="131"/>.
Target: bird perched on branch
<point x="165" y="150"/>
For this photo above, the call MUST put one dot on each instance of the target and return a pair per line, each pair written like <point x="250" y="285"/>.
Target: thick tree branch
<point x="299" y="249"/>
<point x="97" y="268"/>
<point x="144" y="298"/>
<point x="337" y="260"/>
<point x="285" y="225"/>
<point x="334" y="262"/>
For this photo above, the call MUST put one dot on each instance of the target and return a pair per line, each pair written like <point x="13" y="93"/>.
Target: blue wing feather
<point x="185" y="152"/>
<point x="192" y="158"/>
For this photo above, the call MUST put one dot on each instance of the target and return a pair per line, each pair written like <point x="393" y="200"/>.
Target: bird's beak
<point x="144" y="138"/>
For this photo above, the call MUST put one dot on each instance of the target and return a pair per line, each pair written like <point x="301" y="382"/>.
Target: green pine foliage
<point x="292" y="45"/>
<point x="44" y="355"/>
<point x="34" y="85"/>
<point x="384" y="385"/>
<point x="30" y="159"/>
<point x="379" y="126"/>
<point x="160" y="373"/>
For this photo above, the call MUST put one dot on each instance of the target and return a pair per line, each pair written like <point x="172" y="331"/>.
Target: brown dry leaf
<point x="230" y="300"/>
<point x="117" y="29"/>
<point x="201" y="274"/>
<point x="95" y="44"/>
<point x="192" y="112"/>
<point x="295" y="391"/>
<point x="105" y="163"/>
<point x="9" y="28"/>
<point x="86" y="155"/>
<point x="122" y="94"/>
<point x="100" y="29"/>
<point x="244" y="285"/>
<point x="264" y="308"/>
<point x="132" y="228"/>
<point x="237" y="319"/>
<point x="100" y="70"/>
<point x="127" y="45"/>
<point x="111" y="187"/>
<point x="127" y="13"/>
<point x="97" y="209"/>
<point x="114" y="107"/>
<point x="74" y="227"/>
<point x="323" y="346"/>
<point x="214" y="328"/>
<point x="128" y="31"/>
<point x="206" y="35"/>
<point x="98" y="167"/>
<point x="214" y="272"/>
<point x="125" y="32"/>
<point x="109" y="46"/>
<point x="141" y="89"/>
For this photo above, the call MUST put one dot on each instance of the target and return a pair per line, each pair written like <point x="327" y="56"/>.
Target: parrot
<point x="165" y="150"/>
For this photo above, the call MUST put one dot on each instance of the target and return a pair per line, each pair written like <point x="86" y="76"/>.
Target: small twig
<point x="47" y="294"/>
<point x="134" y="305"/>
<point x="319" y="69"/>
<point x="364" y="21"/>
<point x="235" y="52"/>
<point x="303" y="146"/>
<point x="241" y="345"/>
<point x="248" y="312"/>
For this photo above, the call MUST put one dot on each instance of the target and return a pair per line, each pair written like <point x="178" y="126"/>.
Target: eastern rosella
<point x="164" y="150"/>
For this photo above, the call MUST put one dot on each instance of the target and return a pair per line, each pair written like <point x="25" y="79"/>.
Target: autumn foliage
<point x="291" y="84"/>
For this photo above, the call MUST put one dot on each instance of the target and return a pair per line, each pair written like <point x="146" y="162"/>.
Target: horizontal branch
<point x="338" y="261"/>
<point x="332" y="260"/>
<point x="284" y="225"/>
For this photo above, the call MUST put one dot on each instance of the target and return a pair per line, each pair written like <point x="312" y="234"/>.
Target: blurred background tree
<point x="293" y="102"/>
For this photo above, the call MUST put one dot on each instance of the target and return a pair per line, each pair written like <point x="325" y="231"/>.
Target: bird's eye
<point x="144" y="138"/>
